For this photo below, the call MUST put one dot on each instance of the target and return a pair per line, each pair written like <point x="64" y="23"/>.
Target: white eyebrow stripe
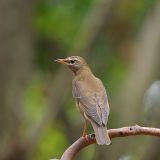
<point x="73" y="58"/>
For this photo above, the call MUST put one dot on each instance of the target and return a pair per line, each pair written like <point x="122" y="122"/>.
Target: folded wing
<point x="94" y="104"/>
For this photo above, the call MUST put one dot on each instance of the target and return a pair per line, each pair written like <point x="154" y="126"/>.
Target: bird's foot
<point x="92" y="136"/>
<point x="84" y="134"/>
<point x="88" y="137"/>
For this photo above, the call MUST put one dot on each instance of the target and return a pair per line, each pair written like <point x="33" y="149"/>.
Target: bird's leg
<point x="85" y="128"/>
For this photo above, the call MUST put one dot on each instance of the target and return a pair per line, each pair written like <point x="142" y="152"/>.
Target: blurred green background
<point x="120" y="40"/>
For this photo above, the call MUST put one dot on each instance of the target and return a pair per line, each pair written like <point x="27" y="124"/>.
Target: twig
<point x="83" y="142"/>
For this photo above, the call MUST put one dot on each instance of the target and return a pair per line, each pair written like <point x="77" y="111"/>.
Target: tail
<point x="101" y="134"/>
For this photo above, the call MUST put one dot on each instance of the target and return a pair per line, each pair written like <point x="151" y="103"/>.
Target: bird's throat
<point x="81" y="71"/>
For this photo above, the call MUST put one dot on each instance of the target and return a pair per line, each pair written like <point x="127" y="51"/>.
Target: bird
<point x="90" y="96"/>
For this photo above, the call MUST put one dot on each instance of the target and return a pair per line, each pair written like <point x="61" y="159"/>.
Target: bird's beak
<point x="62" y="61"/>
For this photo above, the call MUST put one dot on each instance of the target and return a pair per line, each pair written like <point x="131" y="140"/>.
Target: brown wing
<point x="103" y="103"/>
<point x="94" y="104"/>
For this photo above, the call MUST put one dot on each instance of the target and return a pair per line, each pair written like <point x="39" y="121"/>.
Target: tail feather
<point x="101" y="134"/>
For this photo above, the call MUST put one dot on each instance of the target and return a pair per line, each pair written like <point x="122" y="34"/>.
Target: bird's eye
<point x="72" y="61"/>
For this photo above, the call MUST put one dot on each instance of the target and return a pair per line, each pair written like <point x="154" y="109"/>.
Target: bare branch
<point x="83" y="142"/>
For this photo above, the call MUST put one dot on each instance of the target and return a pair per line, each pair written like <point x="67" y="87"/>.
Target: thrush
<point x="90" y="96"/>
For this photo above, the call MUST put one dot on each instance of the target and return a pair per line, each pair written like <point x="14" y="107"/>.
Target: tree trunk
<point x="16" y="51"/>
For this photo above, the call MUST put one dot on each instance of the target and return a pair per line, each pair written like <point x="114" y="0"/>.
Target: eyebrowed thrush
<point x="91" y="98"/>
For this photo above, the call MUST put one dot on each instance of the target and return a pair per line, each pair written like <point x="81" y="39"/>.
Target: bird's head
<point x="75" y="63"/>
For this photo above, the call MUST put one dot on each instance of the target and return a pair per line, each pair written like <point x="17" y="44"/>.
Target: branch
<point x="83" y="142"/>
